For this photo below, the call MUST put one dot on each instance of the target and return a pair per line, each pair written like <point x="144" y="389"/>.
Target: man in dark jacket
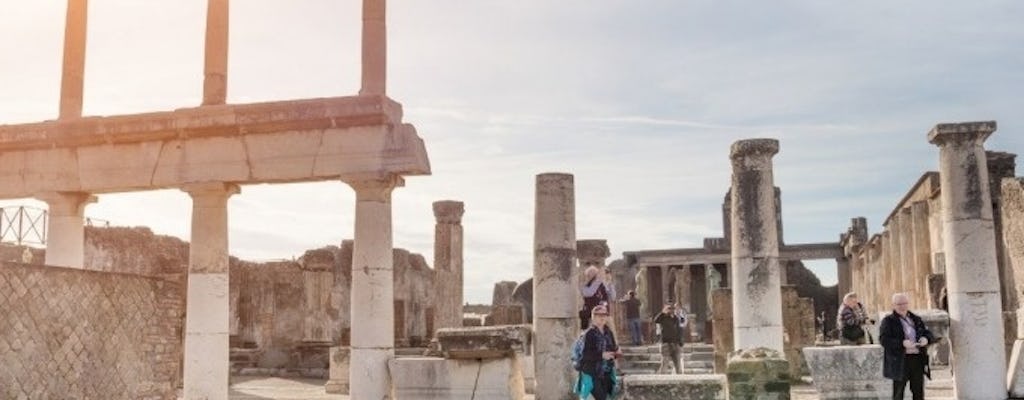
<point x="671" y="338"/>
<point x="905" y="338"/>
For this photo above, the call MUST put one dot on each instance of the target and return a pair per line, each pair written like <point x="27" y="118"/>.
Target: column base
<point x="758" y="374"/>
<point x="369" y="377"/>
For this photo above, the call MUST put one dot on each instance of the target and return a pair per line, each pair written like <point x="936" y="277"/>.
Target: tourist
<point x="850" y="319"/>
<point x="905" y="338"/>
<point x="597" y="372"/>
<point x="632" y="305"/>
<point x="594" y="293"/>
<point x="671" y="338"/>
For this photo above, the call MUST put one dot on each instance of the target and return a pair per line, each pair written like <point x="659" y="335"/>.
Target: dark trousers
<point x="913" y="370"/>
<point x="602" y="387"/>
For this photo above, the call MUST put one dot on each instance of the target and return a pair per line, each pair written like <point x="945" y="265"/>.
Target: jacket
<point x="595" y="343"/>
<point x="891" y="336"/>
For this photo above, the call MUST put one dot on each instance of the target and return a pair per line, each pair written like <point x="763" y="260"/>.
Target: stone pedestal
<point x="555" y="321"/>
<point x="484" y="342"/>
<point x="758" y="374"/>
<point x="65" y="227"/>
<point x="427" y="378"/>
<point x="338" y="378"/>
<point x="672" y="387"/>
<point x="848" y="372"/>
<point x="755" y="272"/>
<point x="207" y="309"/>
<point x="448" y="264"/>
<point x="972" y="275"/>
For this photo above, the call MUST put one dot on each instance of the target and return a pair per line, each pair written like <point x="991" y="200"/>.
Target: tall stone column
<point x="73" y="72"/>
<point x="215" y="68"/>
<point x="845" y="275"/>
<point x="972" y="277"/>
<point x="65" y="227"/>
<point x="207" y="308"/>
<point x="555" y="322"/>
<point x="373" y="290"/>
<point x="375" y="48"/>
<point x="890" y="262"/>
<point x="1012" y="207"/>
<point x="448" y="264"/>
<point x="906" y="242"/>
<point x="922" y="250"/>
<point x="757" y="297"/>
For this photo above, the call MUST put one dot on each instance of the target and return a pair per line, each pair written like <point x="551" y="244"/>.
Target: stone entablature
<point x="286" y="141"/>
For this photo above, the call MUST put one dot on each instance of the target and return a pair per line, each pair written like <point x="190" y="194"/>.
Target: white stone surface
<point x="339" y="370"/>
<point x="1015" y="376"/>
<point x="206" y="337"/>
<point x="848" y="372"/>
<point x="369" y="377"/>
<point x="65" y="227"/>
<point x="425" y="378"/>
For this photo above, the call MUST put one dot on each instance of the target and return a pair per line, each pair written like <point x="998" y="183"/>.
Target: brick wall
<point x="68" y="333"/>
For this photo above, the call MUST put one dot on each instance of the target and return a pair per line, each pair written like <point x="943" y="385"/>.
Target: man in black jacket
<point x="671" y="338"/>
<point x="905" y="338"/>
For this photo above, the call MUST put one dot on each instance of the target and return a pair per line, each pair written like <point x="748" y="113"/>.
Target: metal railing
<point x="27" y="225"/>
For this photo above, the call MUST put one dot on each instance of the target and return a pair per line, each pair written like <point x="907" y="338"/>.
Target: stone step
<point x="642" y="356"/>
<point x="640" y="349"/>
<point x="699" y="357"/>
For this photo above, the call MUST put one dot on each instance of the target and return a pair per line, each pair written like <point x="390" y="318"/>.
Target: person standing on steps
<point x="671" y="339"/>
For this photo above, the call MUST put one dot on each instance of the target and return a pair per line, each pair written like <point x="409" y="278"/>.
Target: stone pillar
<point x="318" y="281"/>
<point x="891" y="261"/>
<point x="972" y="277"/>
<point x="1002" y="165"/>
<point x="73" y="74"/>
<point x="906" y="241"/>
<point x="207" y="308"/>
<point x="448" y="297"/>
<point x="845" y="276"/>
<point x="757" y="302"/>
<point x="375" y="48"/>
<point x="373" y="294"/>
<point x="65" y="227"/>
<point x="1012" y="215"/>
<point x="555" y="321"/>
<point x="922" y="250"/>
<point x="215" y="70"/>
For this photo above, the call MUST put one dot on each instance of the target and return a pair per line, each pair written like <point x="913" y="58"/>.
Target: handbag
<point x="852" y="332"/>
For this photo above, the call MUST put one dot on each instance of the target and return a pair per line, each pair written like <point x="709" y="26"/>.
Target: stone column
<point x="65" y="227"/>
<point x="906" y="241"/>
<point x="215" y="70"/>
<point x="972" y="277"/>
<point x="373" y="289"/>
<point x="922" y="250"/>
<point x="757" y="298"/>
<point x="448" y="264"/>
<point x="375" y="48"/>
<point x="845" y="276"/>
<point x="555" y="321"/>
<point x="889" y="261"/>
<point x="73" y="74"/>
<point x="1012" y="207"/>
<point x="207" y="309"/>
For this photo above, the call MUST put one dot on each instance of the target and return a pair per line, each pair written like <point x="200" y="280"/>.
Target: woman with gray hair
<point x="850" y="321"/>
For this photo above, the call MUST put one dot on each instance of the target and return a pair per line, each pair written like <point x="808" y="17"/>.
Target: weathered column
<point x="555" y="322"/>
<point x="73" y="72"/>
<point x="906" y="241"/>
<point x="1012" y="207"/>
<point x="318" y="281"/>
<point x="845" y="275"/>
<point x="206" y="316"/>
<point x="373" y="289"/>
<point x="215" y="69"/>
<point x="757" y="297"/>
<point x="889" y="261"/>
<point x="448" y="264"/>
<point x="1002" y="165"/>
<point x="922" y="250"/>
<point x="972" y="278"/>
<point x="375" y="48"/>
<point x="65" y="227"/>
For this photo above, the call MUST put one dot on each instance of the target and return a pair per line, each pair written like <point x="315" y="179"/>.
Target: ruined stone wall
<point x="67" y="333"/>
<point x="797" y="320"/>
<point x="134" y="250"/>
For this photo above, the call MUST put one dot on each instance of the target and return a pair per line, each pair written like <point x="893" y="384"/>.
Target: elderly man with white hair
<point x="904" y="337"/>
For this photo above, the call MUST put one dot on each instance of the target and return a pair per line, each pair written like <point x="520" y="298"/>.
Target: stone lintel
<point x="961" y="131"/>
<point x="449" y="211"/>
<point x="753" y="147"/>
<point x="592" y="250"/>
<point x="484" y="342"/>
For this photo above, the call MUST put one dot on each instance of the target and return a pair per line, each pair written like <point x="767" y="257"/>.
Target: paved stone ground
<point x="264" y="388"/>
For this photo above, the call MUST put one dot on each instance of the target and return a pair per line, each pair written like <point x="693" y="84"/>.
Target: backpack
<point x="577" y="351"/>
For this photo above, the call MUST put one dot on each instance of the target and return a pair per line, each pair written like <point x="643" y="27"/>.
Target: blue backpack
<point x="577" y="350"/>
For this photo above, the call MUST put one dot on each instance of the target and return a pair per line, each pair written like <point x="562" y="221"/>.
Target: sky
<point x="639" y="100"/>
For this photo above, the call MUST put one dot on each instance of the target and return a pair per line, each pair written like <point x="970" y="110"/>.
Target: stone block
<point x="665" y="387"/>
<point x="507" y="315"/>
<point x="338" y="376"/>
<point x="937" y="321"/>
<point x="848" y="372"/>
<point x="758" y="374"/>
<point x="484" y="342"/>
<point x="427" y="378"/>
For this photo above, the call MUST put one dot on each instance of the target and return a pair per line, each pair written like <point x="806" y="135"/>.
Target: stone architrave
<point x="73" y="74"/>
<point x="448" y="264"/>
<point x="757" y="299"/>
<point x="555" y="321"/>
<point x="373" y="309"/>
<point x="972" y="276"/>
<point x="207" y="366"/>
<point x="65" y="227"/>
<point x="922" y="250"/>
<point x="906" y="241"/>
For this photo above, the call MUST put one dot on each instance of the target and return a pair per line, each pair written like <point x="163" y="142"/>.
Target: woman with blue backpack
<point x="596" y="361"/>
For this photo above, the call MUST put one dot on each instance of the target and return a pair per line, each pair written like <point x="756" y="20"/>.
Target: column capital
<point x="375" y="187"/>
<point x="203" y="190"/>
<point x="449" y="211"/>
<point x="592" y="250"/>
<point x="66" y="203"/>
<point x="961" y="132"/>
<point x="753" y="147"/>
